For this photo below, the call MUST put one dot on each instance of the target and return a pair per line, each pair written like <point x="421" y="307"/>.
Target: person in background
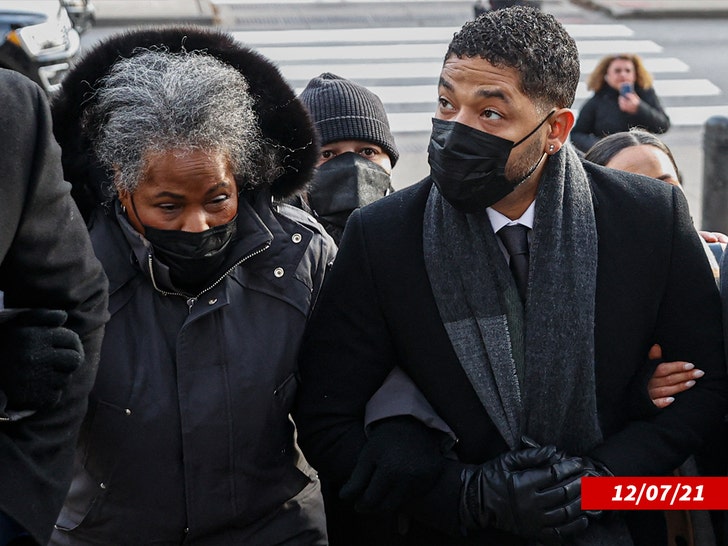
<point x="188" y="438"/>
<point x="536" y="392"/>
<point x="54" y="295"/>
<point x="357" y="154"/>
<point x="623" y="98"/>
<point x="641" y="152"/>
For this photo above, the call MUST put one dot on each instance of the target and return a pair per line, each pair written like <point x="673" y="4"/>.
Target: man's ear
<point x="560" y="123"/>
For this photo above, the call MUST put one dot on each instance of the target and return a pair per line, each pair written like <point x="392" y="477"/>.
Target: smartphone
<point x="626" y="88"/>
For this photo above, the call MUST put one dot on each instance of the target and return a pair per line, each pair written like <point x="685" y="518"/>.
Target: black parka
<point x="188" y="437"/>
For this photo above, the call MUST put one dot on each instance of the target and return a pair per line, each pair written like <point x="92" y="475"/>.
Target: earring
<point x="551" y="148"/>
<point x="123" y="209"/>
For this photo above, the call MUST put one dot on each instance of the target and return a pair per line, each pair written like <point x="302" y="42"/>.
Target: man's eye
<point x="444" y="103"/>
<point x="368" y="152"/>
<point x="491" y="114"/>
<point x="327" y="154"/>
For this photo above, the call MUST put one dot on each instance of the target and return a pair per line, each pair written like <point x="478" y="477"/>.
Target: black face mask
<point x="344" y="184"/>
<point x="192" y="257"/>
<point x="468" y="166"/>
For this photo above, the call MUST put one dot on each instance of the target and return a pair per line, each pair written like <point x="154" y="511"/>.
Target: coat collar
<point x="265" y="240"/>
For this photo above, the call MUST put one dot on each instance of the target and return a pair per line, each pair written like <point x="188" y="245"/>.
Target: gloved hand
<point x="401" y="459"/>
<point x="37" y="357"/>
<point x="596" y="469"/>
<point x="534" y="493"/>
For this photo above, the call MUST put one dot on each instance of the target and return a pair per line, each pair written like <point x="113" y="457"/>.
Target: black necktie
<point x="515" y="239"/>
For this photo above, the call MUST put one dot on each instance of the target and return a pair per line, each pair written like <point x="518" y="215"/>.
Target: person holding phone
<point x="623" y="98"/>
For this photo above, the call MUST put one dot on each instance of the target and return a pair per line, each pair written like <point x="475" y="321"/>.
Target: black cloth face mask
<point x="192" y="257"/>
<point x="344" y="184"/>
<point x="468" y="166"/>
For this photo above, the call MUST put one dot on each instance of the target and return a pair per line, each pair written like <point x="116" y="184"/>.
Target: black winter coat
<point x="600" y="116"/>
<point x="188" y="438"/>
<point x="377" y="311"/>
<point x="46" y="260"/>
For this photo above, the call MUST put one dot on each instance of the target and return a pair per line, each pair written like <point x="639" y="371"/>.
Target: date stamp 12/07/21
<point x="654" y="493"/>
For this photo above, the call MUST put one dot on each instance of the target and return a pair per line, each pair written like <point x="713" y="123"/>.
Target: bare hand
<point x="629" y="103"/>
<point x="670" y="378"/>
<point x="714" y="236"/>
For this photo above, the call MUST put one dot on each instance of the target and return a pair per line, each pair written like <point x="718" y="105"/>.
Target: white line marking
<point x="398" y="34"/>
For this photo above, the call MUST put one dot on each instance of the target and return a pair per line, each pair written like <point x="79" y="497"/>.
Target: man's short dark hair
<point x="530" y="41"/>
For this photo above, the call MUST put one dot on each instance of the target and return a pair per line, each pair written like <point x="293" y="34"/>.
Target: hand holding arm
<point x="670" y="378"/>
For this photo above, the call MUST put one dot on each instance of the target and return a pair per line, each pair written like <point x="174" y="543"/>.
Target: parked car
<point x="38" y="40"/>
<point x="82" y="14"/>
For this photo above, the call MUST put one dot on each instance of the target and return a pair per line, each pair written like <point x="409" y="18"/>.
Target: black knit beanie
<point x="344" y="110"/>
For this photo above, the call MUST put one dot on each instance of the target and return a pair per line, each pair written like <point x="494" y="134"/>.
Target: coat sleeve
<point x="583" y="134"/>
<point x="46" y="260"/>
<point x="345" y="356"/>
<point x="688" y="327"/>
<point x="650" y="114"/>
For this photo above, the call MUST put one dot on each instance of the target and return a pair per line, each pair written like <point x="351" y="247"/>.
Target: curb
<point x="619" y="12"/>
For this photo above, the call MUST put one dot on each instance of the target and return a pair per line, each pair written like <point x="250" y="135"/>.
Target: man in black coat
<point x="532" y="355"/>
<point x="48" y="353"/>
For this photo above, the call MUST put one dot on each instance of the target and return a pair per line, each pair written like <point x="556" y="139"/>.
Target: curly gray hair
<point x="157" y="101"/>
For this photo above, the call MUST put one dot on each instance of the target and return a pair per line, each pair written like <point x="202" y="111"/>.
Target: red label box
<point x="662" y="493"/>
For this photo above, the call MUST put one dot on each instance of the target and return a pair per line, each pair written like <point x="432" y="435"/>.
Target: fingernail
<point x="698" y="373"/>
<point x="689" y="383"/>
<point x="669" y="399"/>
<point x="688" y="366"/>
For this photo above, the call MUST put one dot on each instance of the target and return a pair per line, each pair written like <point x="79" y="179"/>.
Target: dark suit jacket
<point x="377" y="310"/>
<point x="46" y="260"/>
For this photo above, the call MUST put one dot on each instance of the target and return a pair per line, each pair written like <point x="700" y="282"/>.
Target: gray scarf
<point x="532" y="368"/>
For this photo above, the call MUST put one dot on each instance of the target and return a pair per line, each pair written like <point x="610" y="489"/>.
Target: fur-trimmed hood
<point x="283" y="119"/>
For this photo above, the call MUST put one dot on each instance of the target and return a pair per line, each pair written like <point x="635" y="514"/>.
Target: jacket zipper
<point x="191" y="300"/>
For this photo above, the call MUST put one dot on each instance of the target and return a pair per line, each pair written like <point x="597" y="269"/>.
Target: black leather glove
<point x="596" y="469"/>
<point x="401" y="459"/>
<point x="37" y="357"/>
<point x="534" y="493"/>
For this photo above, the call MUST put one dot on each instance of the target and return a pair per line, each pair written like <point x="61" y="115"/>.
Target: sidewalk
<point x="134" y="12"/>
<point x="658" y="8"/>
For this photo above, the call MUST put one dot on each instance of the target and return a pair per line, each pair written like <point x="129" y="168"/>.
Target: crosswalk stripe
<point x="608" y="47"/>
<point x="694" y="115"/>
<point x="398" y="34"/>
<point x="353" y="52"/>
<point x="224" y="3"/>
<point x="427" y="50"/>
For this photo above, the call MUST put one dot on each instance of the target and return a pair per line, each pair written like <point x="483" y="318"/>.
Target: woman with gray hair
<point x="179" y="144"/>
